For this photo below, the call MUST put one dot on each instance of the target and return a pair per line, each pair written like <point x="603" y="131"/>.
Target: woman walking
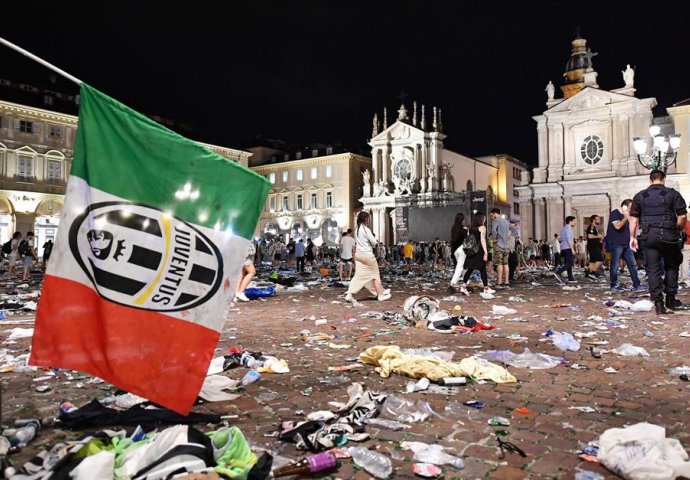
<point x="457" y="238"/>
<point x="477" y="261"/>
<point x="366" y="266"/>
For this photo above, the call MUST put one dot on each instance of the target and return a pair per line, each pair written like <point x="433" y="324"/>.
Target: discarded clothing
<point x="459" y="323"/>
<point x="94" y="414"/>
<point x="321" y="435"/>
<point x="389" y="359"/>
<point x="213" y="389"/>
<point x="642" y="452"/>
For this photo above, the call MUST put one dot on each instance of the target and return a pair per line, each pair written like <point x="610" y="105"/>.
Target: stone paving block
<point x="507" y="472"/>
<point x="554" y="463"/>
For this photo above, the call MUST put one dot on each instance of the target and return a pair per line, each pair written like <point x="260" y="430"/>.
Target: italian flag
<point x="154" y="232"/>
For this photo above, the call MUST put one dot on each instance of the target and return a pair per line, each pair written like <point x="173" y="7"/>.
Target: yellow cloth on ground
<point x="389" y="359"/>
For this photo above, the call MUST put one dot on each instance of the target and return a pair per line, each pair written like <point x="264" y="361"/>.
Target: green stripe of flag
<point x="126" y="154"/>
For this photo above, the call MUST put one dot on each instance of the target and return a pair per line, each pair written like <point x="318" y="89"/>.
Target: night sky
<point x="316" y="71"/>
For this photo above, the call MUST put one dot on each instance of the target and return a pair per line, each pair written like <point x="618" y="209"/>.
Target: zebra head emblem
<point x="138" y="256"/>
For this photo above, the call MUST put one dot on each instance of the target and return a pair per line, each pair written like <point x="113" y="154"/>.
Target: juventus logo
<point x="138" y="256"/>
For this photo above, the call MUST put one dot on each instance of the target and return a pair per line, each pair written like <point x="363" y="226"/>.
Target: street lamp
<point x="659" y="158"/>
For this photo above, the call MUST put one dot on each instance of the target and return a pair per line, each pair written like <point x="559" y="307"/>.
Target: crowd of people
<point x="21" y="253"/>
<point x="655" y="217"/>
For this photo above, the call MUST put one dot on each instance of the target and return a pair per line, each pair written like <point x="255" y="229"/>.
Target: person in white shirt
<point x="347" y="251"/>
<point x="366" y="266"/>
<point x="556" y="249"/>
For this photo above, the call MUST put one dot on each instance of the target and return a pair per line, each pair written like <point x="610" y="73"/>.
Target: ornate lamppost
<point x="664" y="149"/>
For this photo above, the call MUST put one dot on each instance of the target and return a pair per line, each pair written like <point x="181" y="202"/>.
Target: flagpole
<point x="40" y="60"/>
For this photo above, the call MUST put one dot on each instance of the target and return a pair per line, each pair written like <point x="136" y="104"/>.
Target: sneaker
<point x="384" y="296"/>
<point x="386" y="291"/>
<point x="617" y="289"/>
<point x="463" y="290"/>
<point x="489" y="290"/>
<point x="507" y="286"/>
<point x="499" y="286"/>
<point x="348" y="297"/>
<point x="452" y="289"/>
<point x="640" y="289"/>
<point x="242" y="297"/>
<point x="589" y="275"/>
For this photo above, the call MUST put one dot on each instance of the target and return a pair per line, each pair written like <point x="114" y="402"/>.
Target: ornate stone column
<point x="425" y="187"/>
<point x="385" y="174"/>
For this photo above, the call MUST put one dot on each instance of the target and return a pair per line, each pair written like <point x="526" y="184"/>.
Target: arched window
<point x="469" y="185"/>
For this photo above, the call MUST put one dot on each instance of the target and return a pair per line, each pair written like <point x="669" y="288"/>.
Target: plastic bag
<point x="427" y="352"/>
<point x="630" y="350"/>
<point x="406" y="410"/>
<point x="564" y="341"/>
<point x="526" y="359"/>
<point x="260" y="292"/>
<point x="642" y="451"/>
<point x="502" y="310"/>
<point x="433" y="454"/>
<point x="419" y="307"/>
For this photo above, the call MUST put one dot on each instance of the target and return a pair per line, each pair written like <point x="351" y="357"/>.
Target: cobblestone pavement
<point x="552" y="433"/>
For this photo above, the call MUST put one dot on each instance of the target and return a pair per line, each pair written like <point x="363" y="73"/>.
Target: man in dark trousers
<point x="660" y="213"/>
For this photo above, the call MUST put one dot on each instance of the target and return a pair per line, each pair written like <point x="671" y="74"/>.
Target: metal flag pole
<point x="40" y="60"/>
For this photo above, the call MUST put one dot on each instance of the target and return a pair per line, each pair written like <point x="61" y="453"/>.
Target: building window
<point x="314" y="173"/>
<point x="300" y="204"/>
<point x="54" y="172"/>
<point x="329" y="171"/>
<point x="285" y="176"/>
<point x="315" y="152"/>
<point x="286" y="157"/>
<point x="314" y="203"/>
<point x="55" y="131"/>
<point x="272" y="203"/>
<point x="516" y="208"/>
<point x="329" y="199"/>
<point x="299" y="175"/>
<point x="25" y="167"/>
<point x="26" y="126"/>
<point x="47" y="99"/>
<point x="592" y="149"/>
<point x="329" y="151"/>
<point x="272" y="177"/>
<point x="298" y="155"/>
<point x="286" y="203"/>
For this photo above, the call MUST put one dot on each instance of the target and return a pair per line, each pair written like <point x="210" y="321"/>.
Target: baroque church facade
<point x="416" y="185"/>
<point x="587" y="162"/>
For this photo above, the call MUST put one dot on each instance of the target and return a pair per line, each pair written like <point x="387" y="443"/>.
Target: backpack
<point x="470" y="245"/>
<point x="24" y="248"/>
<point x="7" y="247"/>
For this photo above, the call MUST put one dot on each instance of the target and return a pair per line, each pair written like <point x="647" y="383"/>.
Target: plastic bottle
<point x="452" y="381"/>
<point x="248" y="360"/>
<point x="373" y="462"/>
<point x="251" y="377"/>
<point x="20" y="437"/>
<point x="311" y="464"/>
